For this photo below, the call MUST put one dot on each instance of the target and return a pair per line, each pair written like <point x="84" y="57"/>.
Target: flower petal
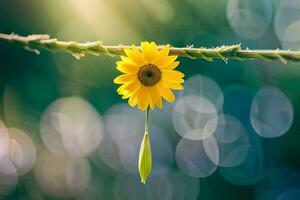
<point x="124" y="78"/>
<point x="166" y="61"/>
<point x="128" y="60"/>
<point x="129" y="89"/>
<point x="149" y="51"/>
<point x="135" y="55"/>
<point x="172" y="74"/>
<point x="151" y="101"/>
<point x="133" y="100"/>
<point x="165" y="92"/>
<point x="161" y="54"/>
<point x="143" y="98"/>
<point x="172" y="85"/>
<point x="126" y="68"/>
<point x="156" y="98"/>
<point x="173" y="65"/>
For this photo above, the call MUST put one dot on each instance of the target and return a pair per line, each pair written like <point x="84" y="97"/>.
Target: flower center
<point x="149" y="75"/>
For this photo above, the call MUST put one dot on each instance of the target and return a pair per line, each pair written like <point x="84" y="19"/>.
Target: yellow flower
<point x="149" y="76"/>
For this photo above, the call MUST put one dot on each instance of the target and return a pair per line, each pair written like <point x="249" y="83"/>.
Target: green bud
<point x="145" y="158"/>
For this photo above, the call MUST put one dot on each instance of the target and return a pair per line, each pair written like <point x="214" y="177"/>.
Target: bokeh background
<point x="231" y="134"/>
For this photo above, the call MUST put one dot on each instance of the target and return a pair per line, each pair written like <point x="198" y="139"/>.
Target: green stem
<point x="77" y="49"/>
<point x="147" y="121"/>
<point x="145" y="155"/>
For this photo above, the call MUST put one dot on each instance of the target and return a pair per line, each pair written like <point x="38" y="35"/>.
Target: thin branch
<point x="36" y="42"/>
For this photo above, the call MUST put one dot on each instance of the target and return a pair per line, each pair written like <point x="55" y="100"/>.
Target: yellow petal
<point x="135" y="55"/>
<point x="151" y="101"/>
<point x="165" y="92"/>
<point x="133" y="100"/>
<point x="172" y="85"/>
<point x="173" y="65"/>
<point x="127" y="60"/>
<point x="172" y="74"/>
<point x="161" y="54"/>
<point x="149" y="98"/>
<point x="126" y="68"/>
<point x="156" y="98"/>
<point x="129" y="89"/>
<point x="173" y="79"/>
<point x="149" y="51"/>
<point x="129" y="52"/>
<point x="120" y="90"/>
<point x="166" y="61"/>
<point x="124" y="78"/>
<point x="142" y="98"/>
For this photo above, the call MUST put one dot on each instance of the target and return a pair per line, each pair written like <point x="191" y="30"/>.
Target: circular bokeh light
<point x="194" y="117"/>
<point x="231" y="140"/>
<point x="71" y="126"/>
<point x="203" y="86"/>
<point x="271" y="112"/>
<point x="249" y="18"/>
<point x="193" y="160"/>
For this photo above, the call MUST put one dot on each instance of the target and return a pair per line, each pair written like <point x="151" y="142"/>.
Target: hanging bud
<point x="145" y="158"/>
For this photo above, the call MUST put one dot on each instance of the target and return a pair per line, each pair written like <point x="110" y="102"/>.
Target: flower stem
<point x="78" y="50"/>
<point x="147" y="120"/>
<point x="145" y="154"/>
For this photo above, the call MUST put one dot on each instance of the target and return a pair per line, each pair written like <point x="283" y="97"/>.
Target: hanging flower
<point x="149" y="76"/>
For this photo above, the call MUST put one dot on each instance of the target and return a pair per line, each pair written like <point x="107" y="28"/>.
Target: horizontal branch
<point x="36" y="42"/>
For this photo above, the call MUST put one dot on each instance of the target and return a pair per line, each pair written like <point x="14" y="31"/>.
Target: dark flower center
<point x="149" y="75"/>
